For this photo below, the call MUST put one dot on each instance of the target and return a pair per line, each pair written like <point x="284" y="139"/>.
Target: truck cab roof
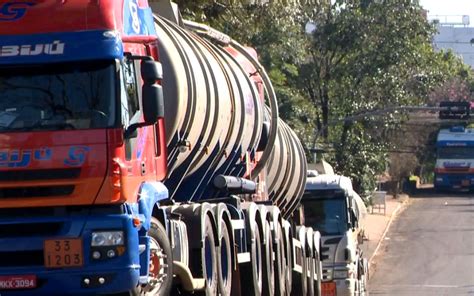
<point x="329" y="182"/>
<point x="334" y="183"/>
<point x="35" y="32"/>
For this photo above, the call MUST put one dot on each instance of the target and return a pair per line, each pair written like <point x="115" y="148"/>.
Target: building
<point x="455" y="33"/>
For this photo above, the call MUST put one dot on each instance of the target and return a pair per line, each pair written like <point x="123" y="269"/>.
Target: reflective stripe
<point x="238" y="224"/>
<point x="243" y="257"/>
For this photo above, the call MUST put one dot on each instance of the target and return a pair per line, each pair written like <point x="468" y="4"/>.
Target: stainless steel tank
<point x="214" y="111"/>
<point x="210" y="102"/>
<point x="286" y="170"/>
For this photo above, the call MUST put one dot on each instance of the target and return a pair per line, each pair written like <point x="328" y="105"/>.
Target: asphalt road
<point x="429" y="249"/>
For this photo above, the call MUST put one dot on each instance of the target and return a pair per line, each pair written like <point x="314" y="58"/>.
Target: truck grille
<point x="32" y="175"/>
<point x="42" y="191"/>
<point x="457" y="169"/>
<point x="30" y="229"/>
<point x="21" y="258"/>
<point x="327" y="274"/>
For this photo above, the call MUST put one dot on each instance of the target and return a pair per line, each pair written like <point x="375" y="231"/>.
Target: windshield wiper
<point x="56" y="125"/>
<point x="40" y="126"/>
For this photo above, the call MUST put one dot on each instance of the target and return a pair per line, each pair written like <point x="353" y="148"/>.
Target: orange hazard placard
<point x="63" y="253"/>
<point x="328" y="289"/>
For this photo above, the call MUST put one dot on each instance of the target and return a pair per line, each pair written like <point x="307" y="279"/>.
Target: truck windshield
<point x="58" y="96"/>
<point x="328" y="216"/>
<point x="456" y="152"/>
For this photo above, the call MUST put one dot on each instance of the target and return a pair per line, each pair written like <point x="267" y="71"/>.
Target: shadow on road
<point x="429" y="192"/>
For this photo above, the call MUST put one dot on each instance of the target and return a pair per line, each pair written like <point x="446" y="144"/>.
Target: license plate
<point x="63" y="253"/>
<point x="328" y="289"/>
<point x="12" y="282"/>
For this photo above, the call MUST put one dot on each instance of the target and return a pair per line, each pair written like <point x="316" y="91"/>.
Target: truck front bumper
<point x="454" y="182"/>
<point x="22" y="254"/>
<point x="343" y="287"/>
<point x="73" y="282"/>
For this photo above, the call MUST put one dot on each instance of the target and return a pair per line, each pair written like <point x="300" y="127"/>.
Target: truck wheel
<point x="160" y="271"/>
<point x="288" y="263"/>
<point x="280" y="287"/>
<point x="319" y="274"/>
<point x="224" y="261"/>
<point x="269" y="273"/>
<point x="300" y="287"/>
<point x="161" y="263"/>
<point x="208" y="260"/>
<point x="365" y="288"/>
<point x="311" y="278"/>
<point x="251" y="273"/>
<point x="304" y="275"/>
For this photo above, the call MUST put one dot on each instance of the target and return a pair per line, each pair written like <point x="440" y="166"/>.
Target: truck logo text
<point x="17" y="158"/>
<point x="55" y="48"/>
<point x="14" y="10"/>
<point x="135" y="18"/>
<point x="77" y="156"/>
<point x="22" y="158"/>
<point x="452" y="164"/>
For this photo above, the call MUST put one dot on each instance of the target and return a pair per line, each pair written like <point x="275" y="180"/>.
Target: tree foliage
<point x="362" y="56"/>
<point x="366" y="56"/>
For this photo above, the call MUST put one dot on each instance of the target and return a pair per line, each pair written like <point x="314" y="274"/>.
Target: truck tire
<point x="280" y="280"/>
<point x="268" y="272"/>
<point x="365" y="278"/>
<point x="300" y="287"/>
<point x="311" y="278"/>
<point x="207" y="258"/>
<point x="288" y="263"/>
<point x="158" y="234"/>
<point x="319" y="273"/>
<point x="224" y="261"/>
<point x="161" y="263"/>
<point x="251" y="273"/>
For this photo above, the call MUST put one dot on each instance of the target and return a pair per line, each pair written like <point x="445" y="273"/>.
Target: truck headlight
<point x="341" y="274"/>
<point x="107" y="238"/>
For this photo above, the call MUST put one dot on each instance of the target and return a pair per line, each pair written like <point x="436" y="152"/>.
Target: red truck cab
<point x="82" y="148"/>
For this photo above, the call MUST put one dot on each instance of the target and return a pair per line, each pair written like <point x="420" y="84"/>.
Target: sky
<point x="450" y="7"/>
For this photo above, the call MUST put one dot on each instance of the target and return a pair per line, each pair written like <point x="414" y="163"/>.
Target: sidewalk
<point x="377" y="224"/>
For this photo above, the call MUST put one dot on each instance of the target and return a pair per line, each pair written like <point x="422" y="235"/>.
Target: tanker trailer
<point x="138" y="155"/>
<point x="236" y="172"/>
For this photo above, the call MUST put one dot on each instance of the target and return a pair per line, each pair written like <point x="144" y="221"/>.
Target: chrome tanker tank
<point x="215" y="116"/>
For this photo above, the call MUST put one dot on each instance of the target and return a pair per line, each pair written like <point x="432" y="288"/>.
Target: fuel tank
<point x="212" y="106"/>
<point x="215" y="115"/>
<point x="286" y="170"/>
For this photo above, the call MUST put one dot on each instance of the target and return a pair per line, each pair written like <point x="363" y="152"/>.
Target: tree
<point x="362" y="56"/>
<point x="456" y="80"/>
<point x="365" y="56"/>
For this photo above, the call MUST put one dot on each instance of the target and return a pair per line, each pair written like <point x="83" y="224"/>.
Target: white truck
<point x="333" y="208"/>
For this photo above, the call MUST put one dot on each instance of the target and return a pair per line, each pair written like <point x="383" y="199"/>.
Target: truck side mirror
<point x="355" y="222"/>
<point x="152" y="93"/>
<point x="151" y="70"/>
<point x="152" y="99"/>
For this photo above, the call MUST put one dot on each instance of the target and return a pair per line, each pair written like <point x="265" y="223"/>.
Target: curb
<point x="392" y="217"/>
